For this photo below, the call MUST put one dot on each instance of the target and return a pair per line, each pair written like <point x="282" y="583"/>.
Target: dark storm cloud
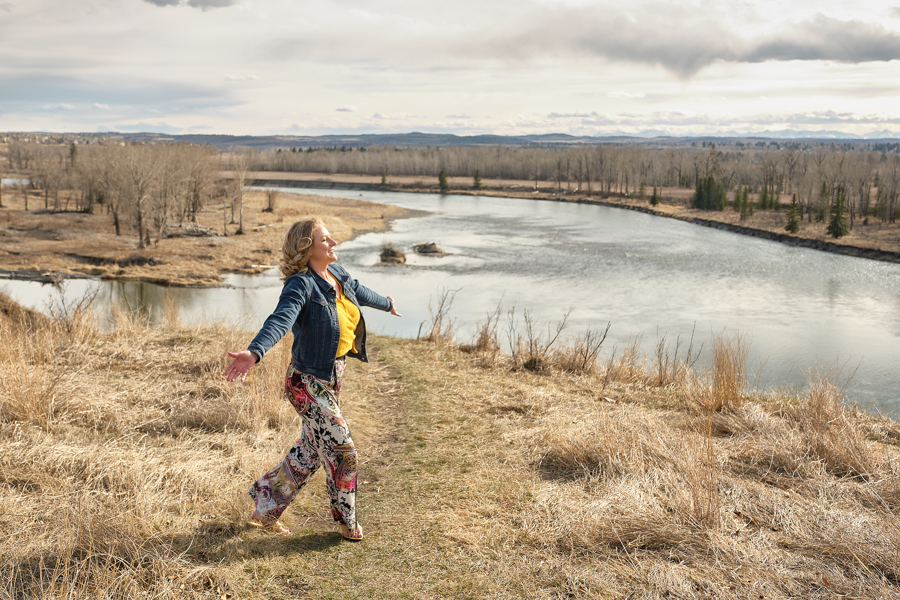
<point x="823" y="38"/>
<point x="684" y="40"/>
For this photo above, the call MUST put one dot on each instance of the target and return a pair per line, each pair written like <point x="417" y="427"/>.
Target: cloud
<point x="6" y="5"/>
<point x="681" y="38"/>
<point x="230" y="77"/>
<point x="99" y="106"/>
<point x="832" y="117"/>
<point x="346" y="108"/>
<point x="40" y="89"/>
<point x="824" y="38"/>
<point x="556" y="115"/>
<point x="626" y="95"/>
<point x="59" y="106"/>
<point x="202" y="4"/>
<point x="401" y="116"/>
<point x="143" y="127"/>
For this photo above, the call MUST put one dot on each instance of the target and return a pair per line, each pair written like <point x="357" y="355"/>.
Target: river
<point x="648" y="276"/>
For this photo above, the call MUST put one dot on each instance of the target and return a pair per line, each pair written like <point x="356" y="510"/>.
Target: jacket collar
<point x="336" y="271"/>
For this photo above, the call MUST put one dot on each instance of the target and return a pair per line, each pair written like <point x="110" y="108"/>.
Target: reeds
<point x="727" y="377"/>
<point x="441" y="325"/>
<point x="829" y="431"/>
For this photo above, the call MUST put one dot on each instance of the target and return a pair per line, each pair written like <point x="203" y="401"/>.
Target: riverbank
<point x="125" y="458"/>
<point x="51" y="246"/>
<point x="875" y="241"/>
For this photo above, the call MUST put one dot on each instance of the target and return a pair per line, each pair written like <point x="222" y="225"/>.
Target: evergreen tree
<point x="654" y="199"/>
<point x="642" y="192"/>
<point x="477" y="179"/>
<point x="764" y="197"/>
<point x="837" y="226"/>
<point x="710" y="194"/>
<point x="699" y="194"/>
<point x="383" y="177"/>
<point x="442" y="182"/>
<point x="793" y="216"/>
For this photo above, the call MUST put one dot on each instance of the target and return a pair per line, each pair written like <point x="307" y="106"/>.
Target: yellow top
<point x="348" y="316"/>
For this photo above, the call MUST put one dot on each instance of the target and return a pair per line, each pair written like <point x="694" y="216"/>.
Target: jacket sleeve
<point x="367" y="297"/>
<point x="290" y="303"/>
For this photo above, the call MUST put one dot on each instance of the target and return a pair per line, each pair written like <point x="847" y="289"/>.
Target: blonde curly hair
<point x="297" y="246"/>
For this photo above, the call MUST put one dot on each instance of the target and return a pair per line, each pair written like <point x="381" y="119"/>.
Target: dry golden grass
<point x="125" y="458"/>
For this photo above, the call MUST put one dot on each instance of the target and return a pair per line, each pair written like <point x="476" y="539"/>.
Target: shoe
<point x="353" y="537"/>
<point x="275" y="526"/>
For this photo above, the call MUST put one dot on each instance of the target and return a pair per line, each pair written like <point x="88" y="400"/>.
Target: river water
<point x="648" y="276"/>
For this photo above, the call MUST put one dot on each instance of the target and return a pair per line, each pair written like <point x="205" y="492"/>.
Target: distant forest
<point x="867" y="179"/>
<point x="153" y="185"/>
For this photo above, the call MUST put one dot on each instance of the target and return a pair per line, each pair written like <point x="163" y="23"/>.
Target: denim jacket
<point x="308" y="307"/>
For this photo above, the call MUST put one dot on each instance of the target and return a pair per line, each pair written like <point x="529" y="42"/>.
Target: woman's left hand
<point x="393" y="307"/>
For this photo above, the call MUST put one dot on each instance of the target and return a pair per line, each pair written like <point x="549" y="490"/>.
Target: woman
<point x="320" y="303"/>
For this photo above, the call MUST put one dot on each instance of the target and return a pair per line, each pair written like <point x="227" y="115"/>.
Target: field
<point x="125" y="457"/>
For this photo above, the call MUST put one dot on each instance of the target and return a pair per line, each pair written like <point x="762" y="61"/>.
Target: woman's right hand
<point x="242" y="363"/>
<point x="393" y="307"/>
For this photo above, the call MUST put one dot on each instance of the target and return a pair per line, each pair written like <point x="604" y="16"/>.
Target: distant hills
<point x="422" y="140"/>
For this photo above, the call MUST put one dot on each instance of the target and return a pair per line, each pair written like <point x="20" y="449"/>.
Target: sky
<point x="509" y="67"/>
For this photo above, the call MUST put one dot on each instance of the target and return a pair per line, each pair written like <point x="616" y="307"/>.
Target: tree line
<point x="869" y="180"/>
<point x="150" y="186"/>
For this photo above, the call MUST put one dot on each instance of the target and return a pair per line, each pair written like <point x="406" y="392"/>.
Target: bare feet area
<point x="49" y="245"/>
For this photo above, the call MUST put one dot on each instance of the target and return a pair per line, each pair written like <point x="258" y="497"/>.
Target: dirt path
<point x="422" y="471"/>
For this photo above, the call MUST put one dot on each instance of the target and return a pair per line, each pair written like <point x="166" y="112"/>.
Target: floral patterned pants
<point x="325" y="440"/>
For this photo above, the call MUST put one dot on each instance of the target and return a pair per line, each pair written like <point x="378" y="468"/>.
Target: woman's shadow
<point x="226" y="542"/>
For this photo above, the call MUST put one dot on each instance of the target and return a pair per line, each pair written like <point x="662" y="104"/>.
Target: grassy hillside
<point x="125" y="457"/>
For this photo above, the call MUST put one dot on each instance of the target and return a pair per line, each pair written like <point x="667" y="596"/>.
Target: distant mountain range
<point x="421" y="140"/>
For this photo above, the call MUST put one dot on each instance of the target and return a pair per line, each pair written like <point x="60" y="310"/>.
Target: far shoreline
<point x="519" y="190"/>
